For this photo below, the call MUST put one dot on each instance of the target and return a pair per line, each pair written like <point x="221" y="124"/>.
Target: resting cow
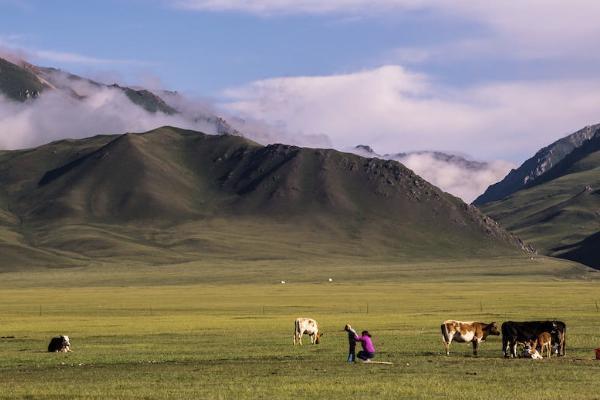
<point x="308" y="326"/>
<point x="464" y="332"/>
<point x="524" y="332"/>
<point x="59" y="344"/>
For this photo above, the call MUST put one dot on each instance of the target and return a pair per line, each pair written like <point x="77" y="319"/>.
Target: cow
<point x="464" y="332"/>
<point x="59" y="344"/>
<point x="544" y="342"/>
<point x="523" y="332"/>
<point x="308" y="326"/>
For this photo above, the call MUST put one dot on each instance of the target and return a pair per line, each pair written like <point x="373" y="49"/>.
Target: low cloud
<point x="455" y="178"/>
<point x="394" y="109"/>
<point x="57" y="114"/>
<point x="77" y="108"/>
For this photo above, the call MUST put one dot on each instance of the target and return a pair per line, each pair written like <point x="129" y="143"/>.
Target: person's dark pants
<point x="365" y="355"/>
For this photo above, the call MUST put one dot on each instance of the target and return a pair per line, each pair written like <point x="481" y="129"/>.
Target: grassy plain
<point x="221" y="330"/>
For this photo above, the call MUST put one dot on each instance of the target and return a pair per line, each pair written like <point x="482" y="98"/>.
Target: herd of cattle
<point x="547" y="336"/>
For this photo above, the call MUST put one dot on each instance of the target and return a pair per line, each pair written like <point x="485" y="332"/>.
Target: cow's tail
<point x="445" y="334"/>
<point x="563" y="341"/>
<point x="296" y="329"/>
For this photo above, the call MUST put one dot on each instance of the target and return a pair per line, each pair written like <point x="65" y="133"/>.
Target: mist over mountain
<point x="39" y="104"/>
<point x="452" y="173"/>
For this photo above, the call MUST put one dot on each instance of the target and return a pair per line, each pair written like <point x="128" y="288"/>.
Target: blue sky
<point x="496" y="80"/>
<point x="208" y="51"/>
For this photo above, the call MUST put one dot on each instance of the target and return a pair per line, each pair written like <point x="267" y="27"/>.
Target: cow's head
<point x="492" y="329"/>
<point x="318" y="337"/>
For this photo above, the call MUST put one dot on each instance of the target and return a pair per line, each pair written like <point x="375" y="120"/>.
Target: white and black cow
<point x="59" y="344"/>
<point x="306" y="326"/>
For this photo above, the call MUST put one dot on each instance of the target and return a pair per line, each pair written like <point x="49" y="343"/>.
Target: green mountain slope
<point x="560" y="212"/>
<point x="537" y="166"/>
<point x="173" y="195"/>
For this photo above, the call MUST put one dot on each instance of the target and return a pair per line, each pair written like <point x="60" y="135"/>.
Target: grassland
<point x="223" y="330"/>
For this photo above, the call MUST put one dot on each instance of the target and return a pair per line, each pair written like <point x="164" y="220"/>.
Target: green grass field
<point x="222" y="330"/>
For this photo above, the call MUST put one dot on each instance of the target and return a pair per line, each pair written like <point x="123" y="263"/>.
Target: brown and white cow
<point x="465" y="332"/>
<point x="306" y="326"/>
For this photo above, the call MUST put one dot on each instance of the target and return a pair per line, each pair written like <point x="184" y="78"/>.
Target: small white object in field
<point x="283" y="282"/>
<point x="330" y="279"/>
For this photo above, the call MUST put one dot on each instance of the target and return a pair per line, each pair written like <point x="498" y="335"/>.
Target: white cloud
<point x="466" y="183"/>
<point x="12" y="48"/>
<point x="74" y="58"/>
<point x="394" y="109"/>
<point x="523" y="28"/>
<point x="58" y="115"/>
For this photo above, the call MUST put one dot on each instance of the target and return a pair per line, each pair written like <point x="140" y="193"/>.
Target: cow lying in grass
<point x="465" y="332"/>
<point x="59" y="344"/>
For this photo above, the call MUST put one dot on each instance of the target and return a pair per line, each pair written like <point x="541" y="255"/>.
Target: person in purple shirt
<point x="368" y="351"/>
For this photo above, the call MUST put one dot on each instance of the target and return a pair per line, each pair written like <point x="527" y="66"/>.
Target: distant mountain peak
<point x="535" y="167"/>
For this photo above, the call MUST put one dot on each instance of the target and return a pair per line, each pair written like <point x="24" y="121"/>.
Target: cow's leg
<point x="513" y="348"/>
<point x="475" y="346"/>
<point x="505" y="347"/>
<point x="446" y="347"/>
<point x="446" y="338"/>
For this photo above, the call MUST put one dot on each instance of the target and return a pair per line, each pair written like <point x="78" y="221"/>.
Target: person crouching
<point x="368" y="350"/>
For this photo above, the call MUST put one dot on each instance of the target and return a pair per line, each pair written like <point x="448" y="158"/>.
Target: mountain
<point x="172" y="195"/>
<point x="536" y="166"/>
<point x="18" y="83"/>
<point x="559" y="210"/>
<point x="21" y="81"/>
<point x="452" y="173"/>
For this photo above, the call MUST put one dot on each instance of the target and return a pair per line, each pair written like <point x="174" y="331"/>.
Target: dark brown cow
<point x="465" y="332"/>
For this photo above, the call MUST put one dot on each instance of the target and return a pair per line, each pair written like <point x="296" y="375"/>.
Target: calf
<point x="464" y="332"/>
<point x="544" y="342"/>
<point x="59" y="344"/>
<point x="524" y="332"/>
<point x="531" y="352"/>
<point x="308" y="326"/>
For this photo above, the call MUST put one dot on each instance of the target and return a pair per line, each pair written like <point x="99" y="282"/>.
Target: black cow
<point x="521" y="332"/>
<point x="59" y="344"/>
